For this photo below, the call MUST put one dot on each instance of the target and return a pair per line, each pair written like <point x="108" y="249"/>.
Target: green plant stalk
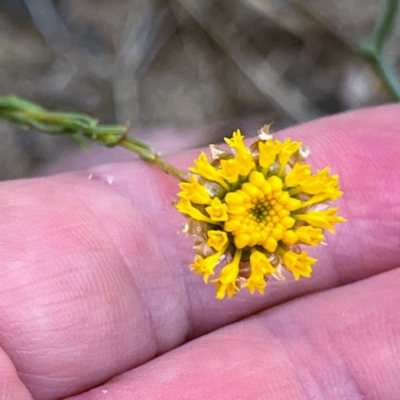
<point x="130" y="144"/>
<point x="373" y="48"/>
<point x="80" y="126"/>
<point x="385" y="25"/>
<point x="388" y="75"/>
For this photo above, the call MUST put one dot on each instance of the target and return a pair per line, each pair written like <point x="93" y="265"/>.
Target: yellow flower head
<point x="252" y="209"/>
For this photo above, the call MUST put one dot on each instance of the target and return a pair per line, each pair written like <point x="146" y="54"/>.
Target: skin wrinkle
<point x="189" y="308"/>
<point x="312" y="387"/>
<point x="146" y="308"/>
<point x="210" y="370"/>
<point x="181" y="308"/>
<point x="347" y="371"/>
<point x="364" y="369"/>
<point x="308" y="378"/>
<point x="129" y="270"/>
<point x="337" y="337"/>
<point x="357" y="389"/>
<point x="173" y="272"/>
<point x="291" y="359"/>
<point x="186" y="291"/>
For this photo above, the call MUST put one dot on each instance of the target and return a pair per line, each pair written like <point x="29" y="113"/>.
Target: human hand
<point x="95" y="285"/>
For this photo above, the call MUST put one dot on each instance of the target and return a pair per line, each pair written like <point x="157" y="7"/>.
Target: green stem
<point x="150" y="156"/>
<point x="170" y="169"/>
<point x="80" y="126"/>
<point x="142" y="149"/>
<point x="385" y="25"/>
<point x="388" y="75"/>
<point x="373" y="48"/>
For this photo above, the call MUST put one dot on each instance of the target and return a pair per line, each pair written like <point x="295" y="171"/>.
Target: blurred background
<point x="181" y="73"/>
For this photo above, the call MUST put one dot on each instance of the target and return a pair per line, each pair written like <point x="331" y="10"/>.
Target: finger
<point x="96" y="281"/>
<point x="339" y="344"/>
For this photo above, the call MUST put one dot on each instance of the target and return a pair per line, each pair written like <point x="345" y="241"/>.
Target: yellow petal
<point x="237" y="143"/>
<point x="217" y="239"/>
<point x="286" y="151"/>
<point x="321" y="219"/>
<point x="256" y="281"/>
<point x="260" y="262"/>
<point x="184" y="206"/>
<point x="268" y="151"/>
<point x="298" y="264"/>
<point x="245" y="163"/>
<point x="309" y="235"/>
<point x="217" y="210"/>
<point x="194" y="191"/>
<point x="298" y="175"/>
<point x="226" y="283"/>
<point x="206" y="170"/>
<point x="230" y="170"/>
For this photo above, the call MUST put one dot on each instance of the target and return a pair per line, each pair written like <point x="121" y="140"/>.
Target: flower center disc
<point x="258" y="213"/>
